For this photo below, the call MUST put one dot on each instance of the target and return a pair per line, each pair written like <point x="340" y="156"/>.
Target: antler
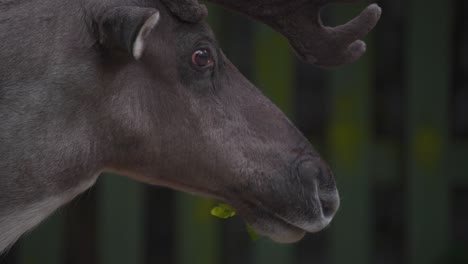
<point x="187" y="10"/>
<point x="327" y="46"/>
<point x="299" y="21"/>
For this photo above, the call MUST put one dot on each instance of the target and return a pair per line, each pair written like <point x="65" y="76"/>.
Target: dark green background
<point x="393" y="126"/>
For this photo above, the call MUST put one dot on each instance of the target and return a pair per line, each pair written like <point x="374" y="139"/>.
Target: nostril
<point x="317" y="177"/>
<point x="329" y="207"/>
<point x="326" y="208"/>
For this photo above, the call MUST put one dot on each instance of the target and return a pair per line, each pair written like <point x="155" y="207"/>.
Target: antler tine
<point x="299" y="21"/>
<point x="360" y="26"/>
<point x="323" y="46"/>
<point x="187" y="10"/>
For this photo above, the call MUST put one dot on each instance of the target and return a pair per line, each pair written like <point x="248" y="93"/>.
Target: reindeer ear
<point x="127" y="28"/>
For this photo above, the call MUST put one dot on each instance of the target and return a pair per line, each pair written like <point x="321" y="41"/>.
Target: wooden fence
<point x="392" y="125"/>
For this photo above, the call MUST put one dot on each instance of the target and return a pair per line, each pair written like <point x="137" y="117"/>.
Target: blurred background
<point x="393" y="126"/>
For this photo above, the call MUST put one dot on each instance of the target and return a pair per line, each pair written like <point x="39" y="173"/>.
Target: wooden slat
<point x="274" y="67"/>
<point x="214" y="19"/>
<point x="457" y="163"/>
<point x="429" y="70"/>
<point x="386" y="163"/>
<point x="273" y="73"/>
<point x="350" y="146"/>
<point x="120" y="220"/>
<point x="80" y="229"/>
<point x="45" y="243"/>
<point x="197" y="231"/>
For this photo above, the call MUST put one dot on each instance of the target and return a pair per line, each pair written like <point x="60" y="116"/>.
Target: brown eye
<point x="202" y="58"/>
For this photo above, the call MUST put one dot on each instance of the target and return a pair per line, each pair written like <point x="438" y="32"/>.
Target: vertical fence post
<point x="350" y="146"/>
<point x="45" y="243"/>
<point x="429" y="69"/>
<point x="273" y="74"/>
<point x="120" y="220"/>
<point x="197" y="231"/>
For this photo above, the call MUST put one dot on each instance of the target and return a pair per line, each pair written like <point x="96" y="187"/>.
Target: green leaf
<point x="253" y="235"/>
<point x="223" y="211"/>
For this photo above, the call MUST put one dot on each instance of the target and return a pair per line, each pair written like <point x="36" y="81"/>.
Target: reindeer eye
<point x="202" y="58"/>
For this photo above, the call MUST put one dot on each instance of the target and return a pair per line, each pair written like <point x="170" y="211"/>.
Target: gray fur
<point x="74" y="102"/>
<point x="18" y="219"/>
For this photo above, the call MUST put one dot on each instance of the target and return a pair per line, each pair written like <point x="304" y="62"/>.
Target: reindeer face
<point x="187" y="119"/>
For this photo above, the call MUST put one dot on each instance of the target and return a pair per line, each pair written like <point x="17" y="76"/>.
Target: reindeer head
<point x="179" y="114"/>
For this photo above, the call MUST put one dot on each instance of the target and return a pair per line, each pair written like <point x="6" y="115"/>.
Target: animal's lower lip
<point x="282" y="231"/>
<point x="269" y="224"/>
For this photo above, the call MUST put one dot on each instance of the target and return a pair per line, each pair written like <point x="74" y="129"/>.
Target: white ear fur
<point x="145" y="30"/>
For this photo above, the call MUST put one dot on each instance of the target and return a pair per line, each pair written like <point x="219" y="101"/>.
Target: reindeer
<point x="141" y="88"/>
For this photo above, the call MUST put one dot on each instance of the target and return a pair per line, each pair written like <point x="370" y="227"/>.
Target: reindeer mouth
<point x="280" y="229"/>
<point x="283" y="224"/>
<point x="276" y="228"/>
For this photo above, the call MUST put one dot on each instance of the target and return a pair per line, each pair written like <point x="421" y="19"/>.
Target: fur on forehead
<point x="190" y="11"/>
